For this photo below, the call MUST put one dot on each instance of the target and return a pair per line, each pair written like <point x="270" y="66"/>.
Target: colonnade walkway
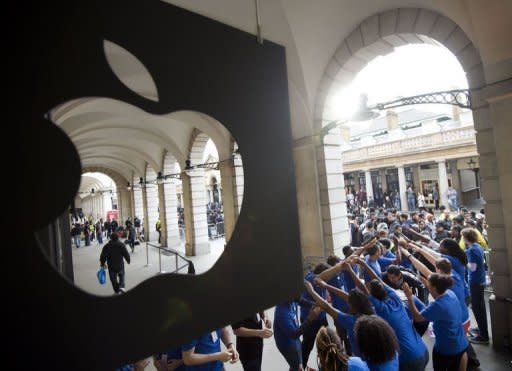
<point x="86" y="264"/>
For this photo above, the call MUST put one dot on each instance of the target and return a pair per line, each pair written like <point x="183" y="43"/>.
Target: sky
<point x="410" y="70"/>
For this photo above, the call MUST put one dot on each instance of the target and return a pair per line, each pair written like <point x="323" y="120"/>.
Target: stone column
<point x="492" y="116"/>
<point x="196" y="225"/>
<point x="308" y="200"/>
<point x="369" y="185"/>
<point x="332" y="194"/>
<point x="145" y="213"/>
<point x="229" y="188"/>
<point x="162" y="216"/>
<point x="402" y="187"/>
<point x="171" y="216"/>
<point x="443" y="182"/>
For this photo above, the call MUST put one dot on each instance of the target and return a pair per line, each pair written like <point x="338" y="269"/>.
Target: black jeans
<point x="114" y="276"/>
<point x="478" y="306"/>
<point x="308" y="339"/>
<point x="251" y="365"/>
<point x="446" y="362"/>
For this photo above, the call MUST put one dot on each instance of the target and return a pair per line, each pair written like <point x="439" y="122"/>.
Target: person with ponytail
<point x="331" y="354"/>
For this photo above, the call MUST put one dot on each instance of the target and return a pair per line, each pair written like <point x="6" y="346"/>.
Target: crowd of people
<point x="357" y="201"/>
<point x="402" y="277"/>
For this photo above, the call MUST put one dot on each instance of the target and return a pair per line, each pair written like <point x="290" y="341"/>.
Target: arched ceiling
<point x="124" y="138"/>
<point x="311" y="33"/>
<point x="96" y="181"/>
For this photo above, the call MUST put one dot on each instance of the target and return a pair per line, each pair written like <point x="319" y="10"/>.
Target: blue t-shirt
<point x="475" y="255"/>
<point x="348" y="282"/>
<point x="445" y="313"/>
<point x="374" y="265"/>
<point x="459" y="291"/>
<point x="419" y="305"/>
<point x="357" y="364"/>
<point x="391" y="365"/>
<point x="206" y="344"/>
<point x="393" y="311"/>
<point x="304" y="311"/>
<point x="458" y="267"/>
<point x="348" y="321"/>
<point x="286" y="324"/>
<point x="386" y="261"/>
<point x="337" y="302"/>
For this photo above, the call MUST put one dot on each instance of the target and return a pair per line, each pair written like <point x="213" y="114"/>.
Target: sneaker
<point x="122" y="290"/>
<point x="479" y="340"/>
<point x="474" y="331"/>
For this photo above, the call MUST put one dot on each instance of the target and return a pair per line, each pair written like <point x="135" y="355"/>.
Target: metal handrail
<point x="176" y="253"/>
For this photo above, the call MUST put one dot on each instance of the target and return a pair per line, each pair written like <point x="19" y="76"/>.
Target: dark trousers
<point x="308" y="338"/>
<point x="342" y="333"/>
<point x="251" y="364"/>
<point x="446" y="362"/>
<point x="117" y="279"/>
<point x="292" y="354"/>
<point x="436" y="202"/>
<point x="478" y="306"/>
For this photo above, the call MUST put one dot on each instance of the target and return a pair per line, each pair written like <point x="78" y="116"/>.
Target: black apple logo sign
<point x="196" y="64"/>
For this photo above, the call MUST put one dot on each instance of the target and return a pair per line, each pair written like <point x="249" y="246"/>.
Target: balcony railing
<point x="443" y="139"/>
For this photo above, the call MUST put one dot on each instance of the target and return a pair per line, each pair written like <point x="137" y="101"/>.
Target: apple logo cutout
<point x="197" y="66"/>
<point x="116" y="138"/>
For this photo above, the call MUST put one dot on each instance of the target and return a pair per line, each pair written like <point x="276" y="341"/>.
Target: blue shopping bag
<point x="102" y="276"/>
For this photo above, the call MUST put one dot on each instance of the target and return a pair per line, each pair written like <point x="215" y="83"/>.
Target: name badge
<point x="214" y="336"/>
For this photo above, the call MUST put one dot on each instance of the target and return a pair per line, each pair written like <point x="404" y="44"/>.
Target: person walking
<point x="113" y="253"/>
<point x="435" y="197"/>
<point x="76" y="231"/>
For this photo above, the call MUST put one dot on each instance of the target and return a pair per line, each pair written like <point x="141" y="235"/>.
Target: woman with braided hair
<point x="331" y="354"/>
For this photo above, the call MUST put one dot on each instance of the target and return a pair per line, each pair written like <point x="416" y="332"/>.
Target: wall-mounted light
<point x="160" y="178"/>
<point x="128" y="186"/>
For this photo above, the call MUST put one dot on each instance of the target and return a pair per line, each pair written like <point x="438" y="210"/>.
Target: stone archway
<point x="379" y="35"/>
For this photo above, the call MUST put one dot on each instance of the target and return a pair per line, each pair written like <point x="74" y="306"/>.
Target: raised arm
<point x="336" y="291"/>
<point x="417" y="264"/>
<point x="429" y="254"/>
<point x="321" y="302"/>
<point x="369" y="244"/>
<point x="359" y="284"/>
<point x="329" y="273"/>
<point x="370" y="271"/>
<point x="416" y="315"/>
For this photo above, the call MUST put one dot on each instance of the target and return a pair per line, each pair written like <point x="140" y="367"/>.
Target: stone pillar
<point x="171" y="216"/>
<point x="369" y="185"/>
<point x="492" y="117"/>
<point x="162" y="216"/>
<point x="138" y="203"/>
<point x="402" y="187"/>
<point x="443" y="182"/>
<point x="145" y="213"/>
<point x="308" y="200"/>
<point x="196" y="225"/>
<point x="332" y="195"/>
<point x="152" y="198"/>
<point x="231" y="210"/>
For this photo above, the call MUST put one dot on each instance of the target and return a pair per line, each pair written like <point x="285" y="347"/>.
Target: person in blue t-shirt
<point x="332" y="355"/>
<point x="389" y="306"/>
<point x="287" y="331"/>
<point x="308" y="337"/>
<point x="476" y="278"/>
<point x="377" y="342"/>
<point x="205" y="354"/>
<point x="358" y="304"/>
<point x="348" y="283"/>
<point x="450" y="347"/>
